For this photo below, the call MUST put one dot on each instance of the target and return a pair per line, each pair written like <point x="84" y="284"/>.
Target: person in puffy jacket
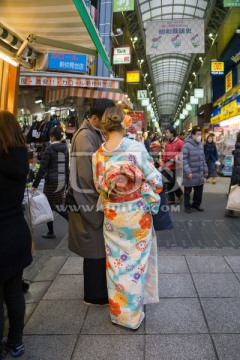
<point x="15" y="236"/>
<point x="194" y="170"/>
<point x="235" y="178"/>
<point x="171" y="163"/>
<point x="55" y="169"/>
<point x="211" y="157"/>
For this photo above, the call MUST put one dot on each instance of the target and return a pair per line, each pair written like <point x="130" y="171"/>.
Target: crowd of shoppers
<point x="115" y="186"/>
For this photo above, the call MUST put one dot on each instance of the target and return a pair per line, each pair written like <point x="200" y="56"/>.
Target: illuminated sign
<point x="123" y="5"/>
<point x="231" y="3"/>
<point x="133" y="77"/>
<point x="217" y="68"/>
<point x="67" y="62"/>
<point x="142" y="94"/>
<point x="122" y="55"/>
<point x="228" y="81"/>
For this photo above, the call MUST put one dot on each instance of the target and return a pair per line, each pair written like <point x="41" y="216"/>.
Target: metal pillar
<point x="105" y="30"/>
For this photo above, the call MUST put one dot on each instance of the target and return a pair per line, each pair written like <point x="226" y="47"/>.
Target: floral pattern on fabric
<point x="130" y="239"/>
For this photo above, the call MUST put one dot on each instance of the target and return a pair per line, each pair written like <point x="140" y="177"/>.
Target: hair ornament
<point x="127" y="122"/>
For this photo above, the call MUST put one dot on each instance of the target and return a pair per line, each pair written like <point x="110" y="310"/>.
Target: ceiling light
<point x="119" y="102"/>
<point x="8" y="59"/>
<point x="135" y="38"/>
<point x="126" y="95"/>
<point x="210" y="35"/>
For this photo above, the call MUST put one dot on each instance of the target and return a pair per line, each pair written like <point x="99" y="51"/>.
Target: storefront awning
<point x="50" y="26"/>
<point x="60" y="94"/>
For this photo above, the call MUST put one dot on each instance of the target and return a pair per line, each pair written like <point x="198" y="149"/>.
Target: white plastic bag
<point x="40" y="210"/>
<point x="234" y="198"/>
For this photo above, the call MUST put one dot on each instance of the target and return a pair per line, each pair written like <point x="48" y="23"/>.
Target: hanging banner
<point x="123" y="5"/>
<point x="178" y="36"/>
<point x="231" y="3"/>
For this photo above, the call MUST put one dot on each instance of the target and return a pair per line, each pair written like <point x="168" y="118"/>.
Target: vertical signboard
<point x="231" y="3"/>
<point x="228" y="81"/>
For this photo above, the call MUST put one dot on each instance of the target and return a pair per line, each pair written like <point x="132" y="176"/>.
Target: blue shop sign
<point x="67" y="62"/>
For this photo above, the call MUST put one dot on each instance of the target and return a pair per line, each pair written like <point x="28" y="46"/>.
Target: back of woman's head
<point x="57" y="133"/>
<point x="112" y="119"/>
<point x="10" y="132"/>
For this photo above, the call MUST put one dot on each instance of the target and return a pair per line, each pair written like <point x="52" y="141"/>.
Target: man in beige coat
<point x="86" y="226"/>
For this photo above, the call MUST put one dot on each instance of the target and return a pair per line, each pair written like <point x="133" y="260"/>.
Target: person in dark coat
<point x="194" y="170"/>
<point x="235" y="178"/>
<point x="86" y="226"/>
<point x="15" y="237"/>
<point x="211" y="157"/>
<point x="55" y="168"/>
<point x="148" y="141"/>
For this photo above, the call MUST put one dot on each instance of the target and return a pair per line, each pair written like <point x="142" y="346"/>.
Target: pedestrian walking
<point x="128" y="184"/>
<point x="148" y="141"/>
<point x="55" y="169"/>
<point x="235" y="178"/>
<point x="211" y="157"/>
<point x="194" y="170"/>
<point x="171" y="165"/>
<point x="15" y="237"/>
<point x="86" y="226"/>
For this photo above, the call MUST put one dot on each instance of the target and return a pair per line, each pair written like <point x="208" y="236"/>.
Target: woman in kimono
<point x="128" y="183"/>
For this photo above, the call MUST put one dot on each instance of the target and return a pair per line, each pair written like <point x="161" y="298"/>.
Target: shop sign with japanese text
<point x="122" y="55"/>
<point x="217" y="68"/>
<point x="133" y="76"/>
<point x="67" y="62"/>
<point x="228" y="81"/>
<point x="123" y="5"/>
<point x="231" y="3"/>
<point x="178" y="36"/>
<point x="142" y="94"/>
<point x="67" y="81"/>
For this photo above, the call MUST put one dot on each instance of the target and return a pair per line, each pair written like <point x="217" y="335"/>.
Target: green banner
<point x="123" y="5"/>
<point x="231" y="3"/>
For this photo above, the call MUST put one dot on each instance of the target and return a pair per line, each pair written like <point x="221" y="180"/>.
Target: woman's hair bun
<point x="114" y="118"/>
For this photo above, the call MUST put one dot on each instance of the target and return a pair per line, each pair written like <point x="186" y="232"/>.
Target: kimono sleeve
<point x="94" y="168"/>
<point x="151" y="174"/>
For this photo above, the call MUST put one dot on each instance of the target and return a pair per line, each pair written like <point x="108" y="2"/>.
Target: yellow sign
<point x="227" y="111"/>
<point x="217" y="68"/>
<point x="133" y="77"/>
<point x="228" y="81"/>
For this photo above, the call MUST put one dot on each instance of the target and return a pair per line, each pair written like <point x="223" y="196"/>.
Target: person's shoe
<point x="208" y="180"/>
<point x="188" y="210"/>
<point x="15" y="350"/>
<point x="231" y="214"/>
<point x="214" y="180"/>
<point x="197" y="207"/>
<point x="96" y="302"/>
<point x="48" y="236"/>
<point x="179" y="200"/>
<point x="25" y="286"/>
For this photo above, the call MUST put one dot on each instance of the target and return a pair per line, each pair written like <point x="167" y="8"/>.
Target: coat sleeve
<point x="15" y="163"/>
<point x="43" y="167"/>
<point x="185" y="154"/>
<point x="67" y="166"/>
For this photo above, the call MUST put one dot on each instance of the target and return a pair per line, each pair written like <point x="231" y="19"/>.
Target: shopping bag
<point x="162" y="220"/>
<point x="234" y="198"/>
<point x="40" y="209"/>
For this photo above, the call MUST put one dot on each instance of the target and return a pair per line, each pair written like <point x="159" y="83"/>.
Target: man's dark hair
<point x="182" y="134"/>
<point x="172" y="130"/>
<point x="99" y="106"/>
<point x="195" y="130"/>
<point x="238" y="136"/>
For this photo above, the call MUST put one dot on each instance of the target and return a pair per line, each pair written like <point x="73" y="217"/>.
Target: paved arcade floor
<point x="198" y="315"/>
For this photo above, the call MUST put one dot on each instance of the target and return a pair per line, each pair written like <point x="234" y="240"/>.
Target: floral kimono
<point x="129" y="184"/>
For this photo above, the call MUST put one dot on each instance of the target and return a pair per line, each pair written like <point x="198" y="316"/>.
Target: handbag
<point x="234" y="198"/>
<point x="40" y="209"/>
<point x="162" y="220"/>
